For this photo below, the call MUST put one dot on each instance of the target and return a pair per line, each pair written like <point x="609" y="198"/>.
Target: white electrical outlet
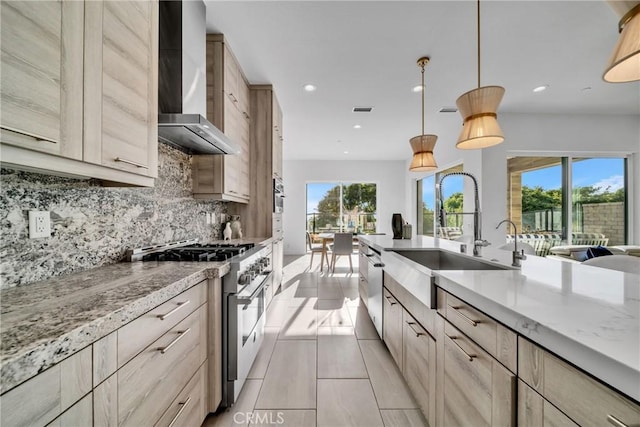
<point x="39" y="224"/>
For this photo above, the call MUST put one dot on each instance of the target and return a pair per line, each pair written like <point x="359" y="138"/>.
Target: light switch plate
<point x="39" y="224"/>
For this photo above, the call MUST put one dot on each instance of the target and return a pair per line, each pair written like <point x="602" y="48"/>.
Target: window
<point x="426" y="205"/>
<point x="341" y="207"/>
<point x="546" y="196"/>
<point x="452" y="192"/>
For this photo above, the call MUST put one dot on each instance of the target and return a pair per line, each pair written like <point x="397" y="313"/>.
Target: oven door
<point x="246" y="331"/>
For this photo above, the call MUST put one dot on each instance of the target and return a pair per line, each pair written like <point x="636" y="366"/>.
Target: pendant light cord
<point x="423" y="90"/>
<point x="478" y="17"/>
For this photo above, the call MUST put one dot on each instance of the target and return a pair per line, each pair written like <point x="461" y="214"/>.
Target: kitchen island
<point x="589" y="317"/>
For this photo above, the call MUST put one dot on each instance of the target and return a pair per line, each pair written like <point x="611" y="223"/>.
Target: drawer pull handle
<point x="614" y="421"/>
<point x="180" y="411"/>
<point x="163" y="350"/>
<point x="180" y="305"/>
<point x="469" y="357"/>
<point x="30" y="135"/>
<point x="391" y="300"/>
<point x="131" y="162"/>
<point x="418" y="333"/>
<point x="233" y="98"/>
<point x="473" y="323"/>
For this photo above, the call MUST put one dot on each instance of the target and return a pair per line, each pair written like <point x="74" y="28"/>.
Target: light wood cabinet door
<point x="121" y="85"/>
<point x="419" y="365"/>
<point x="478" y="390"/>
<point x="189" y="408"/>
<point x="535" y="411"/>
<point x="214" y="334"/>
<point x="150" y="382"/>
<point x="41" y="93"/>
<point x="41" y="399"/>
<point x="225" y="177"/>
<point x="392" y="326"/>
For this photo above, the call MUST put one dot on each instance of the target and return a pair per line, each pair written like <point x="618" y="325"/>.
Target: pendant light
<point x="478" y="108"/>
<point x="624" y="64"/>
<point x="422" y="145"/>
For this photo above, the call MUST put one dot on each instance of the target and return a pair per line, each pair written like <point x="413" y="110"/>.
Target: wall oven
<point x="278" y="195"/>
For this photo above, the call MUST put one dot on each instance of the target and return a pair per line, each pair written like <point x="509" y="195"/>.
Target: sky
<point x="601" y="173"/>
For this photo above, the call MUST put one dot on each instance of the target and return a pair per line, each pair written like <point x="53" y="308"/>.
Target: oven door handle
<point x="250" y="298"/>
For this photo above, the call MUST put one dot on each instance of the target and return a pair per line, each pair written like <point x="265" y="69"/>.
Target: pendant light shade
<point x="423" y="159"/>
<point x="422" y="145"/>
<point x="624" y="64"/>
<point x="478" y="109"/>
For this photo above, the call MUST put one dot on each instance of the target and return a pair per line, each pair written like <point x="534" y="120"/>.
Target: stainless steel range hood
<point x="182" y="89"/>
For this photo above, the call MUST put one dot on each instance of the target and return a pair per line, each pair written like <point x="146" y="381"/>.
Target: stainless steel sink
<point x="441" y="260"/>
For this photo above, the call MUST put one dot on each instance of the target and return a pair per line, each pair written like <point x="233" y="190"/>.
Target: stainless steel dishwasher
<point x="374" y="295"/>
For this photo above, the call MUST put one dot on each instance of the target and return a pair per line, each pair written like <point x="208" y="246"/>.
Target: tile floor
<point x="322" y="362"/>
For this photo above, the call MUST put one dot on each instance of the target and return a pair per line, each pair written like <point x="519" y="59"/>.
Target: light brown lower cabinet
<point x="535" y="411"/>
<point x="392" y="326"/>
<point x="169" y="380"/>
<point x="419" y="365"/>
<point x="44" y="397"/>
<point x="582" y="398"/>
<point x="189" y="408"/>
<point x="478" y="390"/>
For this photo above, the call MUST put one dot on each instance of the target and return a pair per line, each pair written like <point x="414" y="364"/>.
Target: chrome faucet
<point x="517" y="256"/>
<point x="478" y="242"/>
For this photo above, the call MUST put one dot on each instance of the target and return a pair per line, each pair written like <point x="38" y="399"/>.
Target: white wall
<point x="388" y="175"/>
<point x="538" y="134"/>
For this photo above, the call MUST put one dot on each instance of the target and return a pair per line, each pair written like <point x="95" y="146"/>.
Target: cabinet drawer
<point x="478" y="390"/>
<point x="535" y="411"/>
<point x="151" y="381"/>
<point x="582" y="398"/>
<point x="45" y="396"/>
<point x="419" y="365"/>
<point x="138" y="334"/>
<point x="494" y="338"/>
<point x="80" y="414"/>
<point x="189" y="408"/>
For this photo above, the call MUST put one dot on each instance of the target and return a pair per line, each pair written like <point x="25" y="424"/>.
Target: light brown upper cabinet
<point x="78" y="103"/>
<point x="225" y="177"/>
<point x="258" y="218"/>
<point x="121" y="85"/>
<point x="41" y="98"/>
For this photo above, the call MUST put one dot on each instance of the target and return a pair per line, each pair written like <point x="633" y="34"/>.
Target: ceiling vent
<point x="362" y="109"/>
<point x="448" y="110"/>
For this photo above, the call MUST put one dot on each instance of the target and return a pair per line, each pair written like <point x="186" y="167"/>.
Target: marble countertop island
<point x="43" y="323"/>
<point x="589" y="316"/>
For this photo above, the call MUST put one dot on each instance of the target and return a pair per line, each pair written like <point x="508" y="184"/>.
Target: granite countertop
<point x="589" y="316"/>
<point x="43" y="323"/>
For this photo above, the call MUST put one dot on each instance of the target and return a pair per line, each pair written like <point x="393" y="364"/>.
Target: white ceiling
<point x="363" y="53"/>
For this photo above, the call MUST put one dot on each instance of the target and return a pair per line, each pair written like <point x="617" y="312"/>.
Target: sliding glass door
<point x="568" y="200"/>
<point x="341" y="207"/>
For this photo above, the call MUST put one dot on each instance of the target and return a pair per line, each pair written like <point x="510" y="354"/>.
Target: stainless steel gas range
<point x="243" y="300"/>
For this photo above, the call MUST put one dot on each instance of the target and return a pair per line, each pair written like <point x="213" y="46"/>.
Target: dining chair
<point x="342" y="245"/>
<point x="313" y="248"/>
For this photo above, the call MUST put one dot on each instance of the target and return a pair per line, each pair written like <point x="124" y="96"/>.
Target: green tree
<point x="539" y="199"/>
<point x="359" y="196"/>
<point x="329" y="208"/>
<point x="454" y="203"/>
<point x="427" y="220"/>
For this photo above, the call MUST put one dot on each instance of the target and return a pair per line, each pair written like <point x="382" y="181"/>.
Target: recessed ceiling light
<point x="357" y="126"/>
<point x="309" y="87"/>
<point x="586" y="89"/>
<point x="418" y="88"/>
<point x="339" y="141"/>
<point x="448" y="110"/>
<point x="541" y="88"/>
<point x="345" y="152"/>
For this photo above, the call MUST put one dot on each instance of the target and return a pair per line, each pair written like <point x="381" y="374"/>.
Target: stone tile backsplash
<point x="93" y="225"/>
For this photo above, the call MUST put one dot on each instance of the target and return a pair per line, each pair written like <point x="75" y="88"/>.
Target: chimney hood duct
<point x="182" y="89"/>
